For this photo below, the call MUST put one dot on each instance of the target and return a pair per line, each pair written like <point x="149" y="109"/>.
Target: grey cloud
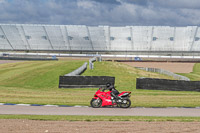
<point x="115" y="2"/>
<point x="101" y="12"/>
<point x="193" y="4"/>
<point x="138" y="2"/>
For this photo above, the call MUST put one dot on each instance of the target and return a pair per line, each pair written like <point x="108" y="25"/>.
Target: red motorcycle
<point x="102" y="99"/>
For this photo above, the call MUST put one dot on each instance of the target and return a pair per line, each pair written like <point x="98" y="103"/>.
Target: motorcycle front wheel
<point x="95" y="103"/>
<point x="125" y="103"/>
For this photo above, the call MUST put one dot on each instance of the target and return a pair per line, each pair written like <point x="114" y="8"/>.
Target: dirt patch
<point x="170" y="66"/>
<point x="33" y="126"/>
<point x="8" y="61"/>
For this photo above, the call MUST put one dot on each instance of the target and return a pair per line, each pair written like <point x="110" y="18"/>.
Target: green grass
<point x="195" y="75"/>
<point x="125" y="76"/>
<point x="35" y="74"/>
<point x="126" y="80"/>
<point x="36" y="82"/>
<point x="100" y="118"/>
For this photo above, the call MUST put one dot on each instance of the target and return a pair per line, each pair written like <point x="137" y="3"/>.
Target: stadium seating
<point x="163" y="38"/>
<point x="120" y="38"/>
<point x="98" y="38"/>
<point x="141" y="38"/>
<point x="37" y="37"/>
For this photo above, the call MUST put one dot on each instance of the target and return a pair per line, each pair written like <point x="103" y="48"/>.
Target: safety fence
<point x="165" y="84"/>
<point x="85" y="81"/>
<point x="165" y="72"/>
<point x="81" y="69"/>
<point x="28" y="58"/>
<point x="78" y="71"/>
<point x="91" y="64"/>
<point x="74" y="80"/>
<point x="147" y="55"/>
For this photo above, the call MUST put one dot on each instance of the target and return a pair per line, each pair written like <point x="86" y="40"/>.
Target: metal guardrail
<point x="165" y="72"/>
<point x="81" y="69"/>
<point x="92" y="59"/>
<point x="78" y="71"/>
<point x="91" y="65"/>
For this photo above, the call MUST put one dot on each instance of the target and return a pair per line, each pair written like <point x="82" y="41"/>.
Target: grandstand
<point x="160" y="40"/>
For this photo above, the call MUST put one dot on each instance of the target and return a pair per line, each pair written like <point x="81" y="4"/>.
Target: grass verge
<point x="100" y="118"/>
<point x="126" y="81"/>
<point x="195" y="75"/>
<point x="36" y="82"/>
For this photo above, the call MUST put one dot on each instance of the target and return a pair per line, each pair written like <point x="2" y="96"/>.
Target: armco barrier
<point x="92" y="59"/>
<point x="78" y="71"/>
<point x="91" y="65"/>
<point x="81" y="69"/>
<point x="85" y="81"/>
<point x="165" y="72"/>
<point x="164" y="84"/>
<point x="29" y="58"/>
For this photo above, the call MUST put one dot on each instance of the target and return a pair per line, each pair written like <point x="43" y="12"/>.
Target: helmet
<point x="108" y="85"/>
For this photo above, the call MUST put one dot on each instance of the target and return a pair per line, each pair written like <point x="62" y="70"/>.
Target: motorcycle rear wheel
<point x="96" y="103"/>
<point x="126" y="105"/>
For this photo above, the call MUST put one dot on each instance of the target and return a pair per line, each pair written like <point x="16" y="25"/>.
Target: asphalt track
<point x="52" y="110"/>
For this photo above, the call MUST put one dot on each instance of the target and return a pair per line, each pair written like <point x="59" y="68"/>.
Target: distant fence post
<point x="91" y="64"/>
<point x="99" y="58"/>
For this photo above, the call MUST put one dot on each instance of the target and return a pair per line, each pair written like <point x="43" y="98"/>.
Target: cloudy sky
<point x="101" y="12"/>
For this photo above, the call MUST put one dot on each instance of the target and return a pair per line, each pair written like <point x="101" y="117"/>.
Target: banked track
<point x="84" y="110"/>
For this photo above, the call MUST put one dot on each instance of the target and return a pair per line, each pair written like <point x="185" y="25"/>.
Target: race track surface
<point x="51" y="110"/>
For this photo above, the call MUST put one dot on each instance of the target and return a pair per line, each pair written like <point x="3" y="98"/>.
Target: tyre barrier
<point x="85" y="81"/>
<point x="165" y="84"/>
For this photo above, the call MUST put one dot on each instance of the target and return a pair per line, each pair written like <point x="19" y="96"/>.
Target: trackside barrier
<point x="91" y="65"/>
<point x="103" y="55"/>
<point x="164" y="84"/>
<point x="92" y="59"/>
<point x="85" y="81"/>
<point x="29" y="58"/>
<point x="74" y="80"/>
<point x="81" y="69"/>
<point x="165" y="72"/>
<point x="78" y="71"/>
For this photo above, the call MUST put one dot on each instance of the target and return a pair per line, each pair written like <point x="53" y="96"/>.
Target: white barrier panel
<point x="102" y="55"/>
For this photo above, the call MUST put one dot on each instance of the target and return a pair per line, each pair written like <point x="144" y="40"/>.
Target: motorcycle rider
<point x="114" y="92"/>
